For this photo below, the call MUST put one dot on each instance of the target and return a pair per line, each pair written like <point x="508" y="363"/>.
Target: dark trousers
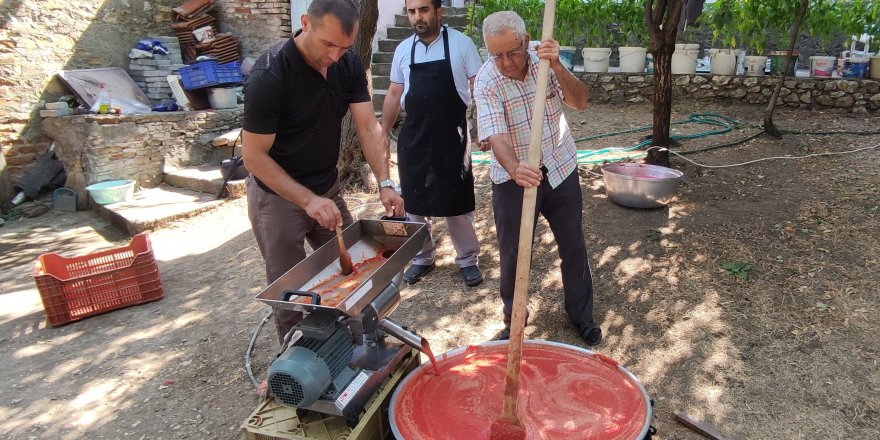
<point x="281" y="229"/>
<point x="562" y="207"/>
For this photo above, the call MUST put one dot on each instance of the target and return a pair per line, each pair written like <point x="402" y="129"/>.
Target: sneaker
<point x="472" y="275"/>
<point x="592" y="334"/>
<point x="416" y="271"/>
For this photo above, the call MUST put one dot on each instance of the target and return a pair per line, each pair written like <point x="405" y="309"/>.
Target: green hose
<point x="723" y="123"/>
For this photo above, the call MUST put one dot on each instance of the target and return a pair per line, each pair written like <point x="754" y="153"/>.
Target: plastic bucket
<point x="821" y="66"/>
<point x="114" y="191"/>
<point x="874" y="70"/>
<point x="684" y="62"/>
<point x="632" y="59"/>
<point x="649" y="63"/>
<point x="754" y="65"/>
<point x="566" y="56"/>
<point x="222" y="97"/>
<point x="723" y="61"/>
<point x="855" y="68"/>
<point x="777" y="62"/>
<point x="596" y="59"/>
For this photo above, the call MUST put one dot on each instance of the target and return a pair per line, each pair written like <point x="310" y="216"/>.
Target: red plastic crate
<point x="79" y="287"/>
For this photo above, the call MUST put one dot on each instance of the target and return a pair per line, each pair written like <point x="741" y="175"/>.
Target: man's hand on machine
<point x="392" y="201"/>
<point x="324" y="211"/>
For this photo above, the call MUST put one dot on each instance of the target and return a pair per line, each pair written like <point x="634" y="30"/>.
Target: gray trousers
<point x="563" y="208"/>
<point x="281" y="229"/>
<point x="464" y="238"/>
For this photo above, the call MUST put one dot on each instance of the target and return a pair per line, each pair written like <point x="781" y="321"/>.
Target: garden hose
<point x="723" y="123"/>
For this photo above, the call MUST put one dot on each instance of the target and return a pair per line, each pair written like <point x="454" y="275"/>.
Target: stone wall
<point x="41" y="37"/>
<point x="138" y="147"/>
<point x="258" y="24"/>
<point x="842" y="95"/>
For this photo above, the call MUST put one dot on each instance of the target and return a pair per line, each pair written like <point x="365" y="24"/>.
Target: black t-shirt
<point x="287" y="97"/>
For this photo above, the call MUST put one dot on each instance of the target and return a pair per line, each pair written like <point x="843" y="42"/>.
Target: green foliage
<point x="780" y="16"/>
<point x="872" y="19"/>
<point x="739" y="269"/>
<point x="598" y="18"/>
<point x="630" y="17"/>
<point x="722" y="17"/>
<point x="822" y="20"/>
<point x="752" y="24"/>
<point x="579" y="23"/>
<point x="531" y="11"/>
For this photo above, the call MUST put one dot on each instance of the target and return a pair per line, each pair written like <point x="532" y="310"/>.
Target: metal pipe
<point x="397" y="330"/>
<point x="387" y="301"/>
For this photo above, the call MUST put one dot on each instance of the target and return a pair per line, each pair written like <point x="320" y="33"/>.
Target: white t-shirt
<point x="464" y="58"/>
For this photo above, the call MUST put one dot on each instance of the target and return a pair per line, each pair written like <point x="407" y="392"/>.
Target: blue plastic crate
<point x="209" y="73"/>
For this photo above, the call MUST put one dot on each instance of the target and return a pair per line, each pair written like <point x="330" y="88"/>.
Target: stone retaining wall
<point x="41" y="37"/>
<point x="841" y="95"/>
<point x="138" y="147"/>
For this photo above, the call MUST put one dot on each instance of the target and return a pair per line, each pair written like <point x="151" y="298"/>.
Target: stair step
<point x="154" y="208"/>
<point x="381" y="82"/>
<point x="381" y="69"/>
<point x="378" y="99"/>
<point x="453" y="20"/>
<point x="204" y="178"/>
<point x="399" y="32"/>
<point x="386" y="45"/>
<point x="383" y="57"/>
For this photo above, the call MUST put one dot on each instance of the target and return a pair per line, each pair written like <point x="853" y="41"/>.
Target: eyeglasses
<point x="509" y="54"/>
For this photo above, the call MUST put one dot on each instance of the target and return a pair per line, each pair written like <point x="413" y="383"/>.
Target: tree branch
<point x="769" y="127"/>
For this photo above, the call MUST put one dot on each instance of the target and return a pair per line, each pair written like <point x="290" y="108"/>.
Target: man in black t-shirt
<point x="295" y="98"/>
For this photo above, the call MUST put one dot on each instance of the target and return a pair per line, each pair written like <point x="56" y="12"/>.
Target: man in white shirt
<point x="431" y="78"/>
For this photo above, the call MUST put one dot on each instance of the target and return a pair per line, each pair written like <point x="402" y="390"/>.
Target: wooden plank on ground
<point x="700" y="426"/>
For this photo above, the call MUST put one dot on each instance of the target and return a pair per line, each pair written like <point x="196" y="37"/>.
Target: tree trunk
<point x="662" y="20"/>
<point x="351" y="159"/>
<point x="662" y="106"/>
<point x="6" y="191"/>
<point x="769" y="127"/>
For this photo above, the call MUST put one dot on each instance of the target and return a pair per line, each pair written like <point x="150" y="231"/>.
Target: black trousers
<point x="562" y="207"/>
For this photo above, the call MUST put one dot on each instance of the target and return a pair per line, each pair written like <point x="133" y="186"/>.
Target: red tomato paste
<point x="564" y="394"/>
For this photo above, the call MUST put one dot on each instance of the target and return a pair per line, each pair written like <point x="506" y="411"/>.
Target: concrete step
<point x="403" y="32"/>
<point x="453" y="20"/>
<point x="378" y="99"/>
<point x="381" y="82"/>
<point x="399" y="32"/>
<point x="154" y="208"/>
<point x="381" y="69"/>
<point x="383" y="57"/>
<point x="386" y="45"/>
<point x="204" y="178"/>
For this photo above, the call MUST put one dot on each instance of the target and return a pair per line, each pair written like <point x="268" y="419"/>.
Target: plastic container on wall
<point x="821" y="66"/>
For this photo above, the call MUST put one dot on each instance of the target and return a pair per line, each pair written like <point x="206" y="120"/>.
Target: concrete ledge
<point x="154" y="208"/>
<point x="204" y="178"/>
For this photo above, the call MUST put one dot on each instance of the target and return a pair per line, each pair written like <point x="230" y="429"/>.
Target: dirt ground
<point x="785" y="350"/>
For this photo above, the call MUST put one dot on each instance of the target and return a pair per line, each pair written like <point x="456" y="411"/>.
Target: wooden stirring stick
<point x="509" y="425"/>
<point x="344" y="256"/>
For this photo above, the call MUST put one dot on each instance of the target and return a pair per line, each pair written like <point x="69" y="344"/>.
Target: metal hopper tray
<point x="379" y="250"/>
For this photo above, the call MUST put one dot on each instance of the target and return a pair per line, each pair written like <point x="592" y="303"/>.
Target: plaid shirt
<point x="504" y="106"/>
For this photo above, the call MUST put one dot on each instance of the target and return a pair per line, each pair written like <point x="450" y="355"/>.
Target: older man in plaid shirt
<point x="504" y="93"/>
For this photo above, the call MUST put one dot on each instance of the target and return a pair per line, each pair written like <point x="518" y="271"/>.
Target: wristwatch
<point x="387" y="183"/>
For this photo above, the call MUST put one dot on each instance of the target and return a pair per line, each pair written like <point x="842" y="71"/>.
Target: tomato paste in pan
<point x="565" y="393"/>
